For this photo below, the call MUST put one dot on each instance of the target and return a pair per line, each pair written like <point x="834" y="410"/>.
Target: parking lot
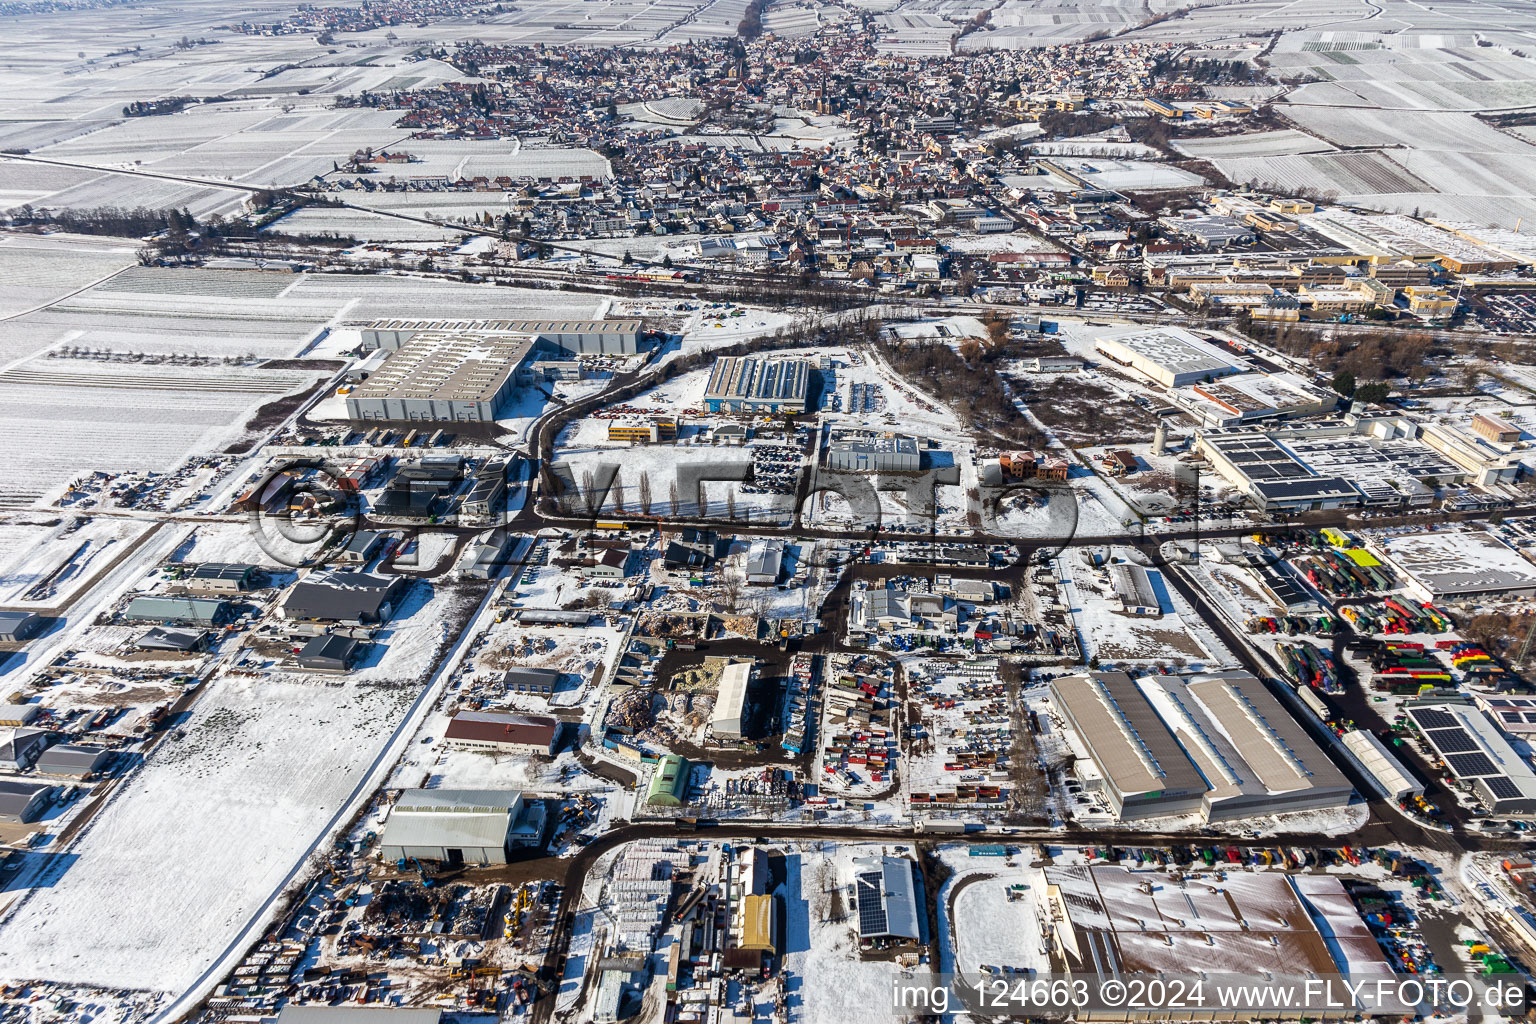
<point x="1508" y="313"/>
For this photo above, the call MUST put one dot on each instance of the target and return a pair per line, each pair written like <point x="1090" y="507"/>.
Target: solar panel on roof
<point x="1451" y="741"/>
<point x="1502" y="787"/>
<point x="1430" y="718"/>
<point x="872" y="919"/>
<point x="1471" y="765"/>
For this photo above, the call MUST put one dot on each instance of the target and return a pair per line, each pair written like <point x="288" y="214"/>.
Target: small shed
<point x="69" y="760"/>
<point x="329" y="653"/>
<point x="18" y="626"/>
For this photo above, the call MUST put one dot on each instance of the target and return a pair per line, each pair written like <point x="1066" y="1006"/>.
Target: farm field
<point x="43" y="566"/>
<point x="490" y="158"/>
<point x="83" y="415"/>
<point x="231" y="810"/>
<point x="35" y="271"/>
<point x="1339" y="173"/>
<point x="359" y="224"/>
<point x="1017" y="24"/>
<point x="418" y="298"/>
<point x="1433" y="131"/>
<point x="1285" y="142"/>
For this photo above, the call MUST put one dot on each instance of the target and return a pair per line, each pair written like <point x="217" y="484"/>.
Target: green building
<point x="669" y="786"/>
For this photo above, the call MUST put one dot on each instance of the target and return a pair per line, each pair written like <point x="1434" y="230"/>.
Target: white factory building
<point x="459" y="826"/>
<point x="728" y="719"/>
<point x="1458" y="564"/>
<point x="1171" y="356"/>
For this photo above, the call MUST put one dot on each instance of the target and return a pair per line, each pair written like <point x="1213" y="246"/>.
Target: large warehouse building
<point x="1249" y="397"/>
<point x="728" y="720"/>
<point x="1374" y="463"/>
<point x="461" y="826"/>
<point x="465" y="371"/>
<point x="446" y="378"/>
<point x="864" y="452"/>
<point x="1455" y="564"/>
<point x="1477" y="753"/>
<point x="1114" y="922"/>
<point x="1171" y="356"/>
<point x="579" y="337"/>
<point x="747" y="384"/>
<point x="1219" y="745"/>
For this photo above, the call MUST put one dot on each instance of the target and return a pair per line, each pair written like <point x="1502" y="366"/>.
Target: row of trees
<point x="137" y="222"/>
<point x="1366" y="355"/>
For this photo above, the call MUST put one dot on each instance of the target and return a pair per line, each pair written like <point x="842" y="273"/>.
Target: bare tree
<point x="672" y="496"/>
<point x="730" y="503"/>
<point x="617" y="490"/>
<point x="645" y="494"/>
<point x="589" y="497"/>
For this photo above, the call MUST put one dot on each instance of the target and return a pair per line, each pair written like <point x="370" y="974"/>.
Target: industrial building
<point x="1136" y="588"/>
<point x="863" y="452"/>
<point x="19" y="748"/>
<point x="765" y="560"/>
<point x="344" y="596"/>
<point x="1458" y="564"/>
<point x="362" y="547"/>
<point x="23" y="802"/>
<point x="498" y="732"/>
<point x="466" y="370"/>
<point x="175" y="641"/>
<point x="579" y="337"/>
<point x="1250" y="397"/>
<point x="180" y="611"/>
<point x="533" y="682"/>
<point x="1391" y="238"/>
<point x="728" y="719"/>
<point x="72" y="761"/>
<point x="329" y="652"/>
<point x="1211" y="230"/>
<point x="1484" y="464"/>
<point x="485" y="559"/>
<point x="757" y="925"/>
<point x="443" y="378"/>
<point x="644" y="430"/>
<point x="669" y="783"/>
<point x="1114" y="922"/>
<point x="228" y="578"/>
<point x="488" y="491"/>
<point x="690" y="549"/>
<point x="1515" y="715"/>
<point x="461" y="826"/>
<point x="313" y="1013"/>
<point x="1219" y="745"/>
<point x="1394" y="778"/>
<point x="1493" y="427"/>
<point x="16" y="715"/>
<point x="1171" y="356"/>
<point x="1477" y="753"/>
<point x="1376" y="463"/>
<point x="885" y="898"/>
<point x="18" y="626"/>
<point x="748" y="384"/>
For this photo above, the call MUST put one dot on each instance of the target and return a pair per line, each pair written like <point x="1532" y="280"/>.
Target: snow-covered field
<point x="44" y="565"/>
<point x="35" y="271"/>
<point x="188" y="851"/>
<point x="82" y="415"/>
